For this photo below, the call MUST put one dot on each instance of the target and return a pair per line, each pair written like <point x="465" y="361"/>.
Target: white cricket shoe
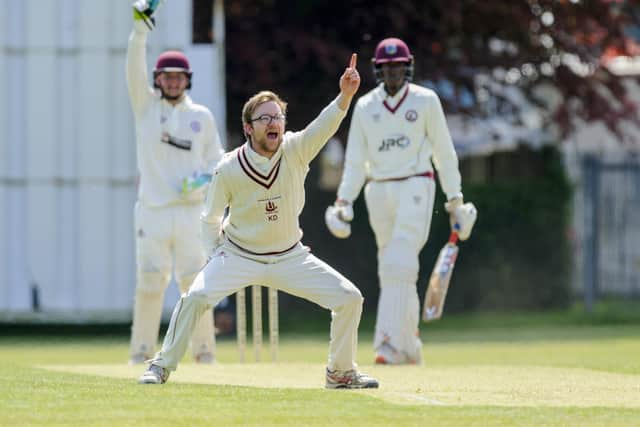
<point x="138" y="359"/>
<point x="154" y="375"/>
<point x="205" y="358"/>
<point x="387" y="355"/>
<point x="417" y="357"/>
<point x="349" y="379"/>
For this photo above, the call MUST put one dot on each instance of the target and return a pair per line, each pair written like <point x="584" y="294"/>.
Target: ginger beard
<point x="172" y="84"/>
<point x="266" y="139"/>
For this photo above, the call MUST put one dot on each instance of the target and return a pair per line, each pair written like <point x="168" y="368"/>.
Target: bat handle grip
<point x="453" y="237"/>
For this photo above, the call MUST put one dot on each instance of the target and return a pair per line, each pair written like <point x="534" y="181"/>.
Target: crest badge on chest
<point x="271" y="208"/>
<point x="411" y="115"/>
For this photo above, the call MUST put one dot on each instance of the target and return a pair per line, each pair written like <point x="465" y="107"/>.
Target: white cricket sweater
<point x="265" y="196"/>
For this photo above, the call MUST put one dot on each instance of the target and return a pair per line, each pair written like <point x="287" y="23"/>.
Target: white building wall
<point x="67" y="152"/>
<point x="15" y="288"/>
<point x="4" y="190"/>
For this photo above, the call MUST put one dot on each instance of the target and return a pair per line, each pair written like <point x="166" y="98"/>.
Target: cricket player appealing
<point x="177" y="148"/>
<point x="258" y="242"/>
<point x="396" y="129"/>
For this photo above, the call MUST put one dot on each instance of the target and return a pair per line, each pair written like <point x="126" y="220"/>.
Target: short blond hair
<point x="260" y="98"/>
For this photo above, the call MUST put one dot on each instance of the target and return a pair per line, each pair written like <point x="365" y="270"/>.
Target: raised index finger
<point x="354" y="59"/>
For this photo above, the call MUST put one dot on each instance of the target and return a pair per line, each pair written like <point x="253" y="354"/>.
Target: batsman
<point x="177" y="146"/>
<point x="398" y="133"/>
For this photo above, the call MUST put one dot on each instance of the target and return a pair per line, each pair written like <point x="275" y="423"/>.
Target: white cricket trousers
<point x="298" y="273"/>
<point x="167" y="239"/>
<point x="400" y="216"/>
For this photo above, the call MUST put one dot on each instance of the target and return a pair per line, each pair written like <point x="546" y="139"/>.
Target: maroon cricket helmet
<point x="392" y="50"/>
<point x="172" y="61"/>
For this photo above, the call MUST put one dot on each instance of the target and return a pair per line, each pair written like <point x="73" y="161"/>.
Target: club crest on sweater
<point x="270" y="208"/>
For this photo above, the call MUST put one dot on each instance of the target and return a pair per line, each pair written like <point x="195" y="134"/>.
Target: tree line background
<point x="519" y="256"/>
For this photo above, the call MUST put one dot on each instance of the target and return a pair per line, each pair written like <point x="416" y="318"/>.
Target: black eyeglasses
<point x="266" y="119"/>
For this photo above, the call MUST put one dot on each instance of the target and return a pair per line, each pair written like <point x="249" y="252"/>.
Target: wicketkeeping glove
<point x="195" y="183"/>
<point x="143" y="10"/>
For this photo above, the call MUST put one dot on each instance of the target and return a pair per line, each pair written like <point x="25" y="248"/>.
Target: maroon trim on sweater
<point x="266" y="181"/>
<point x="246" y="159"/>
<point x="264" y="253"/>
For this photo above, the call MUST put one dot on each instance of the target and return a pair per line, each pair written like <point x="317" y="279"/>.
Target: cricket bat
<point x="439" y="280"/>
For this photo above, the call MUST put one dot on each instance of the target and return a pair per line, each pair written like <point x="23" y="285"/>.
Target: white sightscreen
<point x="67" y="153"/>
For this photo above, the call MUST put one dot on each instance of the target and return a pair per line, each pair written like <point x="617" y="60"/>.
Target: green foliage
<point x="517" y="258"/>
<point x="299" y="48"/>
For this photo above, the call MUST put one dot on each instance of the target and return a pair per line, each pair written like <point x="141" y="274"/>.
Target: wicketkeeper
<point x="177" y="148"/>
<point x="396" y="130"/>
<point x="258" y="242"/>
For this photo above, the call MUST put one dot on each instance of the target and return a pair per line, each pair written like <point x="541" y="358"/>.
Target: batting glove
<point x="143" y="10"/>
<point x="338" y="218"/>
<point x="462" y="216"/>
<point x="454" y="202"/>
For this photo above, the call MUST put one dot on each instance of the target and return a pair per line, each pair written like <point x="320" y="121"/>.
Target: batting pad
<point x="397" y="318"/>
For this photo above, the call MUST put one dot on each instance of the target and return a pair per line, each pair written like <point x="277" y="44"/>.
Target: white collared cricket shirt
<point x="172" y="142"/>
<point x="392" y="137"/>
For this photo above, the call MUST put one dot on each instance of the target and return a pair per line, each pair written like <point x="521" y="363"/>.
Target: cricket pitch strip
<point x="475" y="385"/>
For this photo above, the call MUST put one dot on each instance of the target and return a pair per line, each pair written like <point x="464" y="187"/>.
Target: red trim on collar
<point x="246" y="159"/>
<point x="266" y="181"/>
<point x="394" y="109"/>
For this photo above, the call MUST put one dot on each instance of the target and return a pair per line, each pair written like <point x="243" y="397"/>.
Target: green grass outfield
<point x="501" y="370"/>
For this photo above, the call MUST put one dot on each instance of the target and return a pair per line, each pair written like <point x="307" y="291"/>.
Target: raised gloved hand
<point x="143" y="10"/>
<point x="462" y="216"/>
<point x="338" y="218"/>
